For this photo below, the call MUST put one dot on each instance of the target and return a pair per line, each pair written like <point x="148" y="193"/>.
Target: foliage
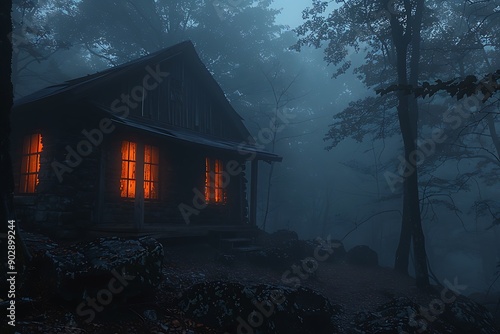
<point x="455" y="87"/>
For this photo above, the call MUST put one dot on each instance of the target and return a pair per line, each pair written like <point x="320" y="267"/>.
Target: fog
<point x="344" y="192"/>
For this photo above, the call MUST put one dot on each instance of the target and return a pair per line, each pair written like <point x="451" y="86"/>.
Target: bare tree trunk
<point x="403" y="251"/>
<point x="421" y="269"/>
<point x="279" y="102"/>
<point x="407" y="115"/>
<point x="6" y="101"/>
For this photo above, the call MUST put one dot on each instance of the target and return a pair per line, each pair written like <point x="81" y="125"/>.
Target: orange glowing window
<point x="30" y="163"/>
<point x="214" y="191"/>
<point x="127" y="181"/>
<point x="151" y="170"/>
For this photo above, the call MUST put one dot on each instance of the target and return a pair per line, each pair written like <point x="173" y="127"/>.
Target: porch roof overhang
<point x="247" y="151"/>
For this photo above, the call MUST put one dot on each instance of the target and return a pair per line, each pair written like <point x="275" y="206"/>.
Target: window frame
<point x="154" y="171"/>
<point x="215" y="192"/>
<point x="128" y="178"/>
<point x="149" y="180"/>
<point x="27" y="187"/>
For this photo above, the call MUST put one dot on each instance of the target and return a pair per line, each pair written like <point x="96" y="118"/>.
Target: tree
<point x="34" y="43"/>
<point x="455" y="38"/>
<point x="6" y="101"/>
<point x="232" y="43"/>
<point x="394" y="38"/>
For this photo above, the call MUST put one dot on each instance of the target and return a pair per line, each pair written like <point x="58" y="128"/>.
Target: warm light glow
<point x="218" y="181"/>
<point x="207" y="180"/>
<point x="214" y="191"/>
<point x="151" y="170"/>
<point x="127" y="181"/>
<point x="30" y="164"/>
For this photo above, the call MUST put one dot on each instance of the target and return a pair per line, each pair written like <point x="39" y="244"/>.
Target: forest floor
<point x="355" y="288"/>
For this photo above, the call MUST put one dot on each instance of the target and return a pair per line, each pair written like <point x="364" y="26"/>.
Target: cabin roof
<point x="82" y="87"/>
<point x="246" y="150"/>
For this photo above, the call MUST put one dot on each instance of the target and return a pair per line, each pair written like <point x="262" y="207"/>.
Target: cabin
<point x="150" y="145"/>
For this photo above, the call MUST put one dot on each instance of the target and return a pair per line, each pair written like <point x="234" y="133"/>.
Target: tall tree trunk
<point x="6" y="101"/>
<point x="420" y="255"/>
<point x="403" y="250"/>
<point x="411" y="226"/>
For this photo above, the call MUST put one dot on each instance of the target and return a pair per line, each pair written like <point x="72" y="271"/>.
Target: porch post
<point x="253" y="192"/>
<point x="139" y="188"/>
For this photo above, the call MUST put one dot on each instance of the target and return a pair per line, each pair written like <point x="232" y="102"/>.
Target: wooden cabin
<point x="150" y="145"/>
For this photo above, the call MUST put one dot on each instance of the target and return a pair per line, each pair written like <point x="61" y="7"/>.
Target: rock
<point x="402" y="315"/>
<point x="235" y="308"/>
<point x="150" y="315"/>
<point x="490" y="301"/>
<point x="469" y="317"/>
<point x="38" y="244"/>
<point x="85" y="268"/>
<point x="362" y="255"/>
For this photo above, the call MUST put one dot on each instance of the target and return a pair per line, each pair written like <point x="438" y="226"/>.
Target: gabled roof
<point x="79" y="86"/>
<point x="84" y="86"/>
<point x="89" y="81"/>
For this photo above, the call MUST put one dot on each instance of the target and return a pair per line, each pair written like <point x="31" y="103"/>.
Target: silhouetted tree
<point x="394" y="36"/>
<point x="6" y="101"/>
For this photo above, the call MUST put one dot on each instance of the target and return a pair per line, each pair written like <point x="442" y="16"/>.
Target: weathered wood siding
<point x="180" y="99"/>
<point x="182" y="169"/>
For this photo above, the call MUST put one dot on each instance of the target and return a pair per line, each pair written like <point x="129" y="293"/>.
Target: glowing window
<point x="214" y="191"/>
<point x="127" y="181"/>
<point x="151" y="170"/>
<point x="30" y="164"/>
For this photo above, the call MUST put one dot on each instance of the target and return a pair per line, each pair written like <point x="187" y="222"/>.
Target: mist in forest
<point x="341" y="142"/>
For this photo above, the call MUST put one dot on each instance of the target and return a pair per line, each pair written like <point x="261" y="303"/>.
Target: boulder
<point x="235" y="308"/>
<point x="85" y="268"/>
<point x="402" y="315"/>
<point x="362" y="255"/>
<point x="469" y="317"/>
